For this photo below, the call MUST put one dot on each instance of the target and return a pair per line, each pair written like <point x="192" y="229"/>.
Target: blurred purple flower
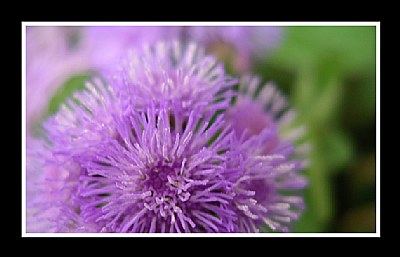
<point x="50" y="187"/>
<point x="105" y="45"/>
<point x="53" y="164"/>
<point x="237" y="45"/>
<point x="50" y="62"/>
<point x="269" y="164"/>
<point x="259" y="106"/>
<point x="267" y="186"/>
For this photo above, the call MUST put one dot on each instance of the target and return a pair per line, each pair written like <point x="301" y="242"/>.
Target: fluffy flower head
<point x="149" y="151"/>
<point x="157" y="178"/>
<point x="138" y="168"/>
<point x="176" y="73"/>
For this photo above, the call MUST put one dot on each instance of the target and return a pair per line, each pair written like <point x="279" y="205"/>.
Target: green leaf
<point x="74" y="83"/>
<point x="336" y="149"/>
<point x="318" y="92"/>
<point x="354" y="46"/>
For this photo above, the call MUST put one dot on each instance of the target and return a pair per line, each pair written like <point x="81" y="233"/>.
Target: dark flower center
<point x="160" y="178"/>
<point x="167" y="188"/>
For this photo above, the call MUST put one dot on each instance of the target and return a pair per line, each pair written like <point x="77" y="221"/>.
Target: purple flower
<point x="179" y="74"/>
<point x="267" y="186"/>
<point x="148" y="176"/>
<point x="266" y="166"/>
<point x="54" y="167"/>
<point x="257" y="107"/>
<point x="237" y="45"/>
<point x="105" y="45"/>
<point x="50" y="187"/>
<point x="155" y="177"/>
<point x="149" y="151"/>
<point x="119" y="166"/>
<point x="84" y="120"/>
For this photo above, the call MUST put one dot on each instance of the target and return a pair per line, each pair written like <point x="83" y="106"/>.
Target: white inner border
<point x="378" y="206"/>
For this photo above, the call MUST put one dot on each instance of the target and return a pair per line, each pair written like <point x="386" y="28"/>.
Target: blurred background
<point x="328" y="74"/>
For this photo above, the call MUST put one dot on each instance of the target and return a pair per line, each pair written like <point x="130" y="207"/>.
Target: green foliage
<point x="354" y="47"/>
<point x="329" y="75"/>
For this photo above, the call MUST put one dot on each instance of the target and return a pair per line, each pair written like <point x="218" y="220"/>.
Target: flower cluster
<point x="164" y="142"/>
